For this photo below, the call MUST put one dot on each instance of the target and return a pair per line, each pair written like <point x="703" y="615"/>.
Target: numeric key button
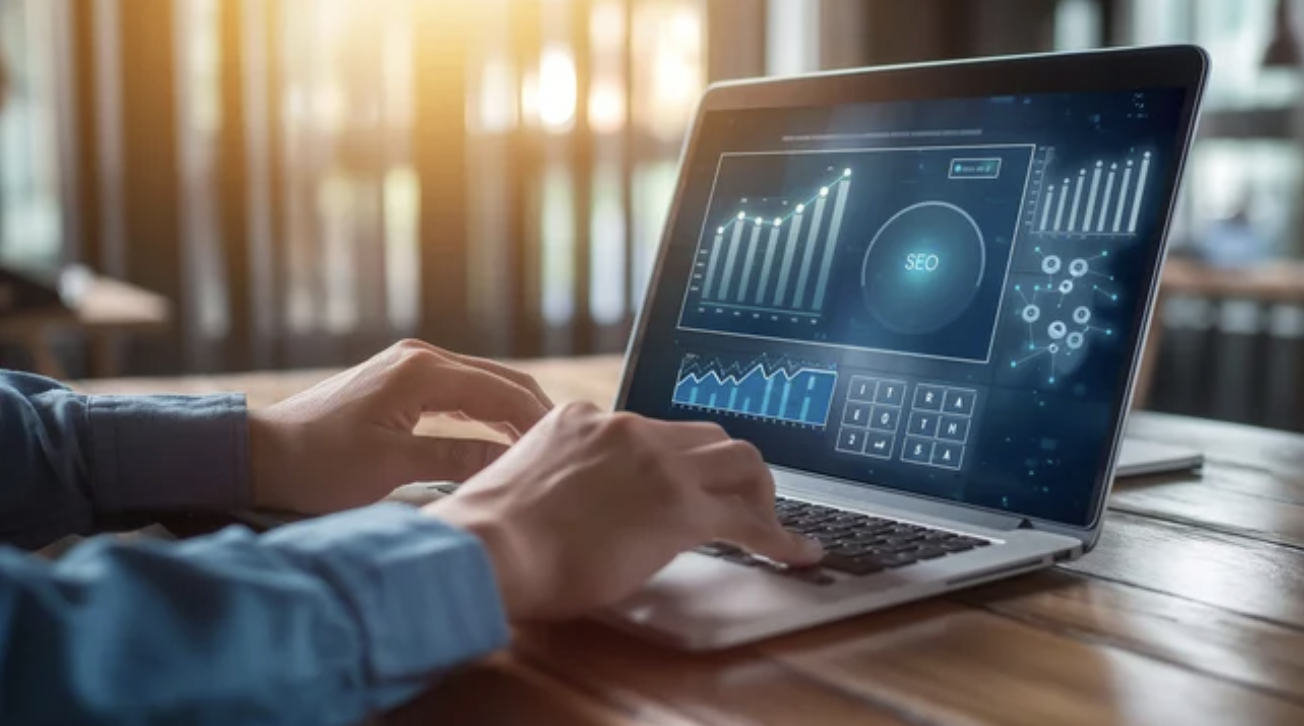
<point x="947" y="455"/>
<point x="857" y="414"/>
<point x="879" y="445"/>
<point x="923" y="424"/>
<point x="862" y="389"/>
<point x="851" y="441"/>
<point x="929" y="398"/>
<point x="885" y="418"/>
<point x="891" y="393"/>
<point x="917" y="451"/>
<point x="953" y="428"/>
<point x="959" y="401"/>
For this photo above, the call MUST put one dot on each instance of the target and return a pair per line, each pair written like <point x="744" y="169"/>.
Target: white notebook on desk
<point x="1141" y="458"/>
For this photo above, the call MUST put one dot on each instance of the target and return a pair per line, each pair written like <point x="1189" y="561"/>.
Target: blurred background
<point x="271" y="184"/>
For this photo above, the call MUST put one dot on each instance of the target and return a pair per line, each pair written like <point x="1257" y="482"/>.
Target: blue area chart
<point x="764" y="387"/>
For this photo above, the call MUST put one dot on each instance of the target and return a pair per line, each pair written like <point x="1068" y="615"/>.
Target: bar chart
<point x="777" y="263"/>
<point x="781" y="248"/>
<point x="1104" y="198"/>
<point x="767" y="387"/>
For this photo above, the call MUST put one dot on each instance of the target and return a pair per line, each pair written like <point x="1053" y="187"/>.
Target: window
<point x="31" y="222"/>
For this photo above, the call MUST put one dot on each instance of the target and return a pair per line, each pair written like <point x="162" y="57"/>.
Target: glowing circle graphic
<point x="923" y="268"/>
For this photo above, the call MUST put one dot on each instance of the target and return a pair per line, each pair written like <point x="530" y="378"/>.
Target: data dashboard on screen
<point x="933" y="296"/>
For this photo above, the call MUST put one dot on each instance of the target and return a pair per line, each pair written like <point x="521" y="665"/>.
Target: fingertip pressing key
<point x="810" y="550"/>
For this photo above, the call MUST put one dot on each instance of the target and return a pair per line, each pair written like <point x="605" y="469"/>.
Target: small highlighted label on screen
<point x="975" y="168"/>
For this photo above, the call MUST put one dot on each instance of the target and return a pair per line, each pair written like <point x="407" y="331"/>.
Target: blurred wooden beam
<point x="1008" y="27"/>
<point x="68" y="107"/>
<point x="143" y="176"/>
<point x="925" y="30"/>
<point x="264" y="70"/>
<point x="520" y="192"/>
<point x="736" y="39"/>
<point x="232" y="162"/>
<point x="628" y="158"/>
<point x="439" y="147"/>
<point x="844" y="42"/>
<point x="83" y="146"/>
<point x="581" y="163"/>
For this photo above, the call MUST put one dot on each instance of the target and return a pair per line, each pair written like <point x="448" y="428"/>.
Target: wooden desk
<point x="108" y="308"/>
<point x="1191" y="611"/>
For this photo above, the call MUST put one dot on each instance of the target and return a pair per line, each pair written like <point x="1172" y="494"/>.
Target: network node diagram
<point x="1060" y="311"/>
<point x="1064" y="294"/>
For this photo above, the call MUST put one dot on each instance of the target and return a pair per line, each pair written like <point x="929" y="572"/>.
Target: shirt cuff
<point x="424" y="592"/>
<point x="169" y="453"/>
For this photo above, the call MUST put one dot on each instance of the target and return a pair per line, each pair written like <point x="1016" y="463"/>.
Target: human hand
<point x="588" y="506"/>
<point x="349" y="440"/>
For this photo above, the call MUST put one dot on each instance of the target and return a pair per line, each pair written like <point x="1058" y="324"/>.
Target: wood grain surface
<point x="1190" y="611"/>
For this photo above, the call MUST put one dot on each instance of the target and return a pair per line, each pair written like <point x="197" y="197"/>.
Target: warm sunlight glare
<point x="497" y="109"/>
<point x="556" y="89"/>
<point x="678" y="74"/>
<point x="606" y="106"/>
<point x="668" y="40"/>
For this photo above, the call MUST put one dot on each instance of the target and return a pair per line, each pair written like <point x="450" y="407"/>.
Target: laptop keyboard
<point x="854" y="543"/>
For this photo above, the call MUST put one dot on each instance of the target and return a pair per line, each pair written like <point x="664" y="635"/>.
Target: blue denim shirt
<point x="322" y="622"/>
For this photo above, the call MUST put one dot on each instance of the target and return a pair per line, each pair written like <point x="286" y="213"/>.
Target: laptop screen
<point x="939" y="297"/>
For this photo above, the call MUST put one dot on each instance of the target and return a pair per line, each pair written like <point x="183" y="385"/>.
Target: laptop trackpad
<point x="703" y="602"/>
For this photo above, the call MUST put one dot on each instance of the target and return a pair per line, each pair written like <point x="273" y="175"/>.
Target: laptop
<point x="1139" y="458"/>
<point x="921" y="291"/>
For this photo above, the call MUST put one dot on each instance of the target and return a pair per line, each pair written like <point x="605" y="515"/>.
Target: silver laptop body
<point x="708" y="600"/>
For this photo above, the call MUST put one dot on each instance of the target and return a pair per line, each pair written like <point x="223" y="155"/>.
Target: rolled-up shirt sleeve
<point x="321" y="622"/>
<point x="69" y="462"/>
<point x="168" y="452"/>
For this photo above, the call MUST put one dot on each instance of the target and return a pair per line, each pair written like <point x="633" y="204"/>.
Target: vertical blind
<point x="310" y="179"/>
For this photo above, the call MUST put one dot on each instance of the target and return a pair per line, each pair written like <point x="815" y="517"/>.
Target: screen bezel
<point x="1117" y="70"/>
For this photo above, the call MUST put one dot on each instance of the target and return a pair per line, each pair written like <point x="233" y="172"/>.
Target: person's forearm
<point x="70" y="462"/>
<point x="320" y="622"/>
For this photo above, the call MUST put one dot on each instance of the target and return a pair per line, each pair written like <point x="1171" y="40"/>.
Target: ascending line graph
<point x="769" y="387"/>
<point x="1100" y="199"/>
<point x="779" y="263"/>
